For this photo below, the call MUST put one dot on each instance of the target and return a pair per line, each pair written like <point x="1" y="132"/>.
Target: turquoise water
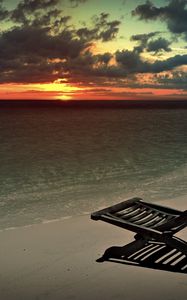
<point x="57" y="162"/>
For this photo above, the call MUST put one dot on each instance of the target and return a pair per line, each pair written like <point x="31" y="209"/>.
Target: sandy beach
<point x="57" y="260"/>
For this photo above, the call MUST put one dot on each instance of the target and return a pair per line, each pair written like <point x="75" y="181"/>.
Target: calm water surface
<point x="58" y="162"/>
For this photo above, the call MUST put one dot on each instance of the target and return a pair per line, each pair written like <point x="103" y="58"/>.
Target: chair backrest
<point x="143" y="218"/>
<point x="148" y="215"/>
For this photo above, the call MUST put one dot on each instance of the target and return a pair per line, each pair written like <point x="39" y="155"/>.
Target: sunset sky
<point x="93" y="49"/>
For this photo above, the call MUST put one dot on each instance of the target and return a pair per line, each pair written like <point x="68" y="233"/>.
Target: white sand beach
<point x="57" y="260"/>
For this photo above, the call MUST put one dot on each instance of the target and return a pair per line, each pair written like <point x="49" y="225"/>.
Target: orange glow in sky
<point x="63" y="91"/>
<point x="56" y="90"/>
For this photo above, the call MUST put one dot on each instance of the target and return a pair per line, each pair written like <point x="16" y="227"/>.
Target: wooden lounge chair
<point x="149" y="221"/>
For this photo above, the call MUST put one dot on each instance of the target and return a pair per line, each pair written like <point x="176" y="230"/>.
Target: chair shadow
<point x="147" y="254"/>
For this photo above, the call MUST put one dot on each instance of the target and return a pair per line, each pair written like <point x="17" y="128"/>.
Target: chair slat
<point x="127" y="211"/>
<point x="142" y="214"/>
<point x="149" y="217"/>
<point x="154" y="221"/>
<point x="161" y="221"/>
<point x="132" y="214"/>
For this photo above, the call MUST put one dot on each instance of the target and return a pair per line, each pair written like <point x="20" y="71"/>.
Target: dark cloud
<point x="132" y="62"/>
<point x="33" y="5"/>
<point x="147" y="43"/>
<point x="174" y="14"/>
<point x="50" y="18"/>
<point x="87" y="34"/>
<point x="143" y="38"/>
<point x="31" y="41"/>
<point x="89" y="67"/>
<point x="129" y="63"/>
<point x="33" y="54"/>
<point x="43" y="47"/>
<point x="40" y="13"/>
<point x="102" y="29"/>
<point x="107" y="29"/>
<point x="147" y="11"/>
<point x="159" y="44"/>
<point x="41" y="72"/>
<point x="168" y="64"/>
<point x="104" y="58"/>
<point x="30" y="7"/>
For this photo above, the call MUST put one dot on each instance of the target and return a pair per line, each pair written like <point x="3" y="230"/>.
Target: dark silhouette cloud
<point x="30" y="7"/>
<point x="33" y="5"/>
<point x="25" y="42"/>
<point x="26" y="9"/>
<point x="147" y="11"/>
<point x="42" y="46"/>
<point x="102" y="29"/>
<point x="168" y="64"/>
<point x="52" y="18"/>
<point x="174" y="14"/>
<point x="159" y="44"/>
<point x="143" y="38"/>
<point x="132" y="62"/>
<point x="89" y="67"/>
<point x="104" y="58"/>
<point x="146" y="42"/>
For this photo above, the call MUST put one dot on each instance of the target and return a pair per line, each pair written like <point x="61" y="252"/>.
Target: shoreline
<point x="177" y="203"/>
<point x="57" y="260"/>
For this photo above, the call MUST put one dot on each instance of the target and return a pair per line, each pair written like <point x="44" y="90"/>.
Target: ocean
<point x="60" y="162"/>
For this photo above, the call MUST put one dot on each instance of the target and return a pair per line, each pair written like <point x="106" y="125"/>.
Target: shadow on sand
<point x="148" y="254"/>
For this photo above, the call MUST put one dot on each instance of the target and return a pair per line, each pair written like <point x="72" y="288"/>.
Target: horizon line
<point x="148" y="103"/>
